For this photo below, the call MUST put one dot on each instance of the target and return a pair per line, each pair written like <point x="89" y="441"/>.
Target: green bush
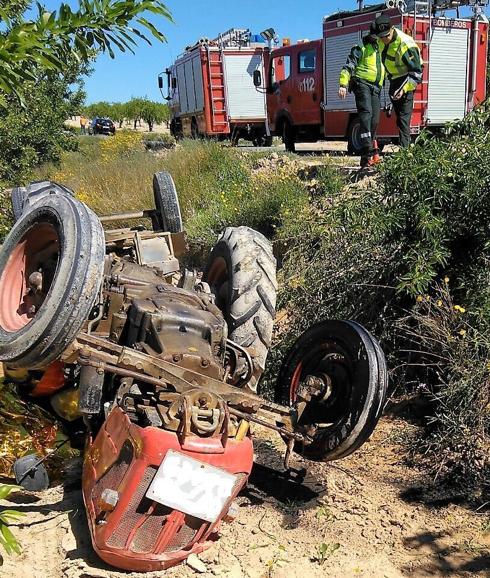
<point x="376" y="254"/>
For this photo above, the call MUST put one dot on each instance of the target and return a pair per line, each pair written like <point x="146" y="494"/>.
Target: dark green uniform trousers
<point x="403" y="109"/>
<point x="368" y="107"/>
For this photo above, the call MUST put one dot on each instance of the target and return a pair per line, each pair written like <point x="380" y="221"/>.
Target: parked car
<point x="102" y="126"/>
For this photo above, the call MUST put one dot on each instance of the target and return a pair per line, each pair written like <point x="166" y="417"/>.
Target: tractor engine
<point x="155" y="443"/>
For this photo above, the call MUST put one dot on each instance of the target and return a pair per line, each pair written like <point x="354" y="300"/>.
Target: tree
<point x="30" y="47"/>
<point x="135" y="109"/>
<point x="153" y="112"/>
<point x="118" y="112"/>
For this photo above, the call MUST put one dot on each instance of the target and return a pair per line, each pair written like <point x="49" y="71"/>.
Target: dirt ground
<point x="373" y="515"/>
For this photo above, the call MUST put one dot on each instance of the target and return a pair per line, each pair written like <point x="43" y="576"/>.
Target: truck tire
<point x="241" y="271"/>
<point x="51" y="269"/>
<point x="24" y="197"/>
<point x="288" y="137"/>
<point x="354" y="146"/>
<point x="167" y="203"/>
<point x="354" y="363"/>
<point x="262" y="141"/>
<point x="194" y="129"/>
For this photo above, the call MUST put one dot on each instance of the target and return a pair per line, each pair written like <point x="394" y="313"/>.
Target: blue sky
<point x="136" y="75"/>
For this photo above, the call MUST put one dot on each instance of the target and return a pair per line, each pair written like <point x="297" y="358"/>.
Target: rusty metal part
<point x="244" y="371"/>
<point x="36" y="281"/>
<point x="115" y="359"/>
<point x="318" y="387"/>
<point x="127" y="216"/>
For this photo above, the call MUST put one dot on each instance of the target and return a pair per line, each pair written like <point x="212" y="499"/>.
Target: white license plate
<point x="191" y="486"/>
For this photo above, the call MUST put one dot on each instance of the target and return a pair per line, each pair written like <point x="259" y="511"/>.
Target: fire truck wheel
<point x="241" y="270"/>
<point x="167" y="203"/>
<point x="288" y="137"/>
<point x="24" y="197"/>
<point x="354" y="145"/>
<point x="51" y="268"/>
<point x="262" y="141"/>
<point x="194" y="129"/>
<point x="351" y="368"/>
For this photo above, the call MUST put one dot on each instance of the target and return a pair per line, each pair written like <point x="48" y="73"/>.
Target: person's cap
<point x="382" y="26"/>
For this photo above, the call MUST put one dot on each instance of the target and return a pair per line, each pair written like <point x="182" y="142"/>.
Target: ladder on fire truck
<point x="217" y="89"/>
<point x="422" y="19"/>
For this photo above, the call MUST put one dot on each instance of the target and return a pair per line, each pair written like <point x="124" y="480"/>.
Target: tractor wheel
<point x="51" y="269"/>
<point x="167" y="203"/>
<point x="352" y="367"/>
<point x="24" y="197"/>
<point x="241" y="271"/>
<point x="354" y="145"/>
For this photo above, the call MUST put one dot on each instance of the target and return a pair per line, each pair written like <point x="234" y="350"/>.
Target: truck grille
<point x="150" y="520"/>
<point x="114" y="476"/>
<point x="133" y="513"/>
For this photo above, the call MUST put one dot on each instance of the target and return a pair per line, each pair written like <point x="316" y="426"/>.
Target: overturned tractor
<point x="153" y="370"/>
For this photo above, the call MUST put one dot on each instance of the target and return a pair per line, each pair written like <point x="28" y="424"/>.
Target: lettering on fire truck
<point x="307" y="85"/>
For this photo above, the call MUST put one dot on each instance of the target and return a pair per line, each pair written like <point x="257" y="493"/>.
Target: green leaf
<point x="9" y="541"/>
<point x="7" y="489"/>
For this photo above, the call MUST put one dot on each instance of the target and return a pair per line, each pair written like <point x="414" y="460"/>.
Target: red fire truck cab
<point x="302" y="80"/>
<point x="210" y="89"/>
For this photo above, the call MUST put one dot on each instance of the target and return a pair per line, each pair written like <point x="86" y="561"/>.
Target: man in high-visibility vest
<point x="364" y="75"/>
<point x="401" y="58"/>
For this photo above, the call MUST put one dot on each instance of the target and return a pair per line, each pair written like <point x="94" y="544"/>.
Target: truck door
<point x="279" y="94"/>
<point x="308" y="95"/>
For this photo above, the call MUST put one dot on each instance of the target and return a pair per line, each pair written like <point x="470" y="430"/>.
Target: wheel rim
<point x="332" y="360"/>
<point x="28" y="276"/>
<point x="217" y="276"/>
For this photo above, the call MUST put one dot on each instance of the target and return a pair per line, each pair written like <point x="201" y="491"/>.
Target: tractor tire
<point x="17" y="198"/>
<point x="24" y="197"/>
<point x="288" y="137"/>
<point x="241" y="271"/>
<point x="167" y="203"/>
<point x="354" y="146"/>
<point x="51" y="270"/>
<point x="353" y="361"/>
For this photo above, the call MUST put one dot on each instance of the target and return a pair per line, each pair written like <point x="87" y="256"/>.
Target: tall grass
<point x="217" y="186"/>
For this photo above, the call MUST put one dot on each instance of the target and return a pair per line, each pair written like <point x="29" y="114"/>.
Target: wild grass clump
<point x="111" y="175"/>
<point x="217" y="186"/>
<point x="451" y="359"/>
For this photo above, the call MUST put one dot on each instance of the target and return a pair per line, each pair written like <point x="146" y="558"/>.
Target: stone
<point x="196" y="564"/>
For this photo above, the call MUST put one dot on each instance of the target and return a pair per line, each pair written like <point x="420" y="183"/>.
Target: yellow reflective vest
<point x="401" y="58"/>
<point x="364" y="62"/>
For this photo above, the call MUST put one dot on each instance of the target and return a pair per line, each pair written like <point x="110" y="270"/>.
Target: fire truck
<point x="211" y="93"/>
<point x="302" y="80"/>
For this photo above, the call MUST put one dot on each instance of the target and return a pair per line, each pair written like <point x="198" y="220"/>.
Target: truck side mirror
<point x="160" y="82"/>
<point x="257" y="78"/>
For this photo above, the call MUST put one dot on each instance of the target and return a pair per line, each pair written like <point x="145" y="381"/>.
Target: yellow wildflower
<point x="419" y="298"/>
<point x="462" y="332"/>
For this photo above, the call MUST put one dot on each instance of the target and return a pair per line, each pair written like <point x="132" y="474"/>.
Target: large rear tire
<point x="25" y="197"/>
<point x="241" y="271"/>
<point x="167" y="203"/>
<point x="51" y="269"/>
<point x="349" y="359"/>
